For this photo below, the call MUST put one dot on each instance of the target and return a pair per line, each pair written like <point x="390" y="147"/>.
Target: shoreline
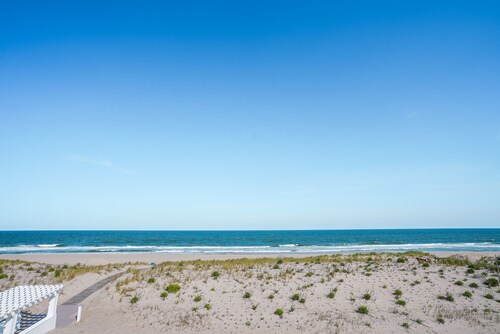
<point x="114" y="258"/>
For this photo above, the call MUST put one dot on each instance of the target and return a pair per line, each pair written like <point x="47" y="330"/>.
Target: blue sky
<point x="249" y="114"/>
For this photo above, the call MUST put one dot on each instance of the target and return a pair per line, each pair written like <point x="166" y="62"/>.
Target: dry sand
<point x="109" y="258"/>
<point x="271" y="286"/>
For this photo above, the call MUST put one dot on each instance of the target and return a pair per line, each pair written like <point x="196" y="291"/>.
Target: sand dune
<point x="323" y="294"/>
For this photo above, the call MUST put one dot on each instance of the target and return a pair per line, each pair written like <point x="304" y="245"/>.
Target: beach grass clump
<point x="215" y="274"/>
<point x="362" y="309"/>
<point x="134" y="300"/>
<point x="164" y="295"/>
<point x="470" y="271"/>
<point x="415" y="283"/>
<point x="473" y="285"/>
<point x="401" y="302"/>
<point x="271" y="296"/>
<point x="405" y="325"/>
<point x="492" y="282"/>
<point x="367" y="296"/>
<point x="447" y="297"/>
<point x="151" y="280"/>
<point x="467" y="294"/>
<point x="488" y="296"/>
<point x="247" y="295"/>
<point x="331" y="294"/>
<point x="459" y="283"/>
<point x="173" y="288"/>
<point x="440" y="319"/>
<point x="279" y="312"/>
<point x="401" y="259"/>
<point x="197" y="298"/>
<point x="309" y="274"/>
<point x="276" y="266"/>
<point x="208" y="306"/>
<point x="398" y="293"/>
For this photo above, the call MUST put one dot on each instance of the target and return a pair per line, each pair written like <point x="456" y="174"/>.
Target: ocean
<point x="220" y="242"/>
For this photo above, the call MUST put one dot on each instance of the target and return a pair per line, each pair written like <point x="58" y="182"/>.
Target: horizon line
<point x="256" y="230"/>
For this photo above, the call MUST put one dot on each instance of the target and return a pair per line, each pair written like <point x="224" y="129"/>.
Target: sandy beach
<point x="110" y="258"/>
<point x="381" y="293"/>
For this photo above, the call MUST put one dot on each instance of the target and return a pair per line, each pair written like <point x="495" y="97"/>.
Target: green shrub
<point x="215" y="274"/>
<point x="401" y="302"/>
<point x="470" y="271"/>
<point x="459" y="283"/>
<point x="401" y="260"/>
<point x="467" y="294"/>
<point x="488" y="296"/>
<point x="447" y="297"/>
<point x="295" y="296"/>
<point x="247" y="294"/>
<point x="151" y="280"/>
<point x="473" y="285"/>
<point x="440" y="319"/>
<point x="302" y="300"/>
<point x="197" y="298"/>
<point x="134" y="300"/>
<point x="173" y="288"/>
<point x="398" y="293"/>
<point x="331" y="295"/>
<point x="492" y="282"/>
<point x="367" y="296"/>
<point x="280" y="261"/>
<point x="208" y="306"/>
<point x="309" y="274"/>
<point x="279" y="312"/>
<point x="276" y="266"/>
<point x="362" y="310"/>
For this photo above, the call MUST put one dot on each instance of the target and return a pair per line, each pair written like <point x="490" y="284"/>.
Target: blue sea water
<point x="307" y="241"/>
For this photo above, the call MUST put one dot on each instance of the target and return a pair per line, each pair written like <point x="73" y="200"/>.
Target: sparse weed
<point x="362" y="309"/>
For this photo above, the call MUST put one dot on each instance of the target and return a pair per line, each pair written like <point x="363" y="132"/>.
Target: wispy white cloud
<point x="412" y="115"/>
<point x="300" y="191"/>
<point x="412" y="112"/>
<point x="89" y="160"/>
<point x="106" y="163"/>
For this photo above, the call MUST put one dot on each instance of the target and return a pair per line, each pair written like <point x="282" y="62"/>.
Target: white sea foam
<point x="285" y="248"/>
